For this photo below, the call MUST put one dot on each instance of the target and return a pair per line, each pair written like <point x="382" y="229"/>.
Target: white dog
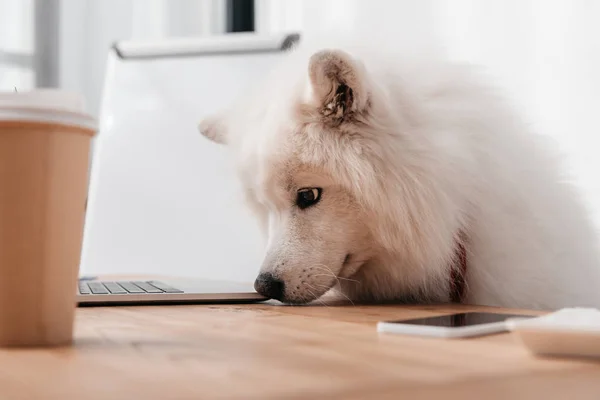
<point x="397" y="178"/>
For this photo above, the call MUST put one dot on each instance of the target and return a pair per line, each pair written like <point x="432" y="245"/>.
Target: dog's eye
<point x="308" y="197"/>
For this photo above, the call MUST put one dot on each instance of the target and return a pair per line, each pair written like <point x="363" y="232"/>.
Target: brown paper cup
<point x="44" y="153"/>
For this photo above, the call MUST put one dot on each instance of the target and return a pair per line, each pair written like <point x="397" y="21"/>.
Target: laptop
<point x="157" y="291"/>
<point x="163" y="200"/>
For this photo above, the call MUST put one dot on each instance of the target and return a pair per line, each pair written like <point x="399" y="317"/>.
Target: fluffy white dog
<point x="394" y="177"/>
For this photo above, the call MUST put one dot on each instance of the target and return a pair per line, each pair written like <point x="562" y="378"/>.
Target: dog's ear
<point x="214" y="129"/>
<point x="339" y="84"/>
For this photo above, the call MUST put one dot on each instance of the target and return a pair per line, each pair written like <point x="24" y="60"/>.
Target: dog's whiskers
<point x="339" y="278"/>
<point x="325" y="268"/>
<point x="317" y="298"/>
<point x="328" y="270"/>
<point x="340" y="292"/>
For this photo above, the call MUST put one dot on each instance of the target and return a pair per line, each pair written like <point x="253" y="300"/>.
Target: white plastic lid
<point x="46" y="105"/>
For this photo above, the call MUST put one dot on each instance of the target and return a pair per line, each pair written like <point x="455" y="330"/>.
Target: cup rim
<point x="47" y="115"/>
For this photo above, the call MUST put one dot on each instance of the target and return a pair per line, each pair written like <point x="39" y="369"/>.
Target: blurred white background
<point x="546" y="53"/>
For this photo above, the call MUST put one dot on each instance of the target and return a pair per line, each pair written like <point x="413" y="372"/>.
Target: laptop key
<point x="83" y="288"/>
<point x="97" y="288"/>
<point x="115" y="288"/>
<point x="164" y="287"/>
<point x="131" y="288"/>
<point x="147" y="287"/>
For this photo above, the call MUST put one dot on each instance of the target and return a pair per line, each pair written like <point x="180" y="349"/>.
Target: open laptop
<point x="163" y="200"/>
<point x="106" y="292"/>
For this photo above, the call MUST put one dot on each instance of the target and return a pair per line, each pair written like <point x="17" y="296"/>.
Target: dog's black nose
<point x="269" y="286"/>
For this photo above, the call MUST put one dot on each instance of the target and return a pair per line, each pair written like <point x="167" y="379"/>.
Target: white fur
<point x="435" y="151"/>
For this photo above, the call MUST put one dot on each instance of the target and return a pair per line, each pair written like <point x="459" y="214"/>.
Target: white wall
<point x="16" y="45"/>
<point x="90" y="27"/>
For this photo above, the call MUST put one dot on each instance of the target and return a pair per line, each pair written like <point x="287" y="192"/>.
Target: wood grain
<point x="267" y="351"/>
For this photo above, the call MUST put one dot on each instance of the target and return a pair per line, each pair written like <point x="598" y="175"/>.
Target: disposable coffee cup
<point x="45" y="139"/>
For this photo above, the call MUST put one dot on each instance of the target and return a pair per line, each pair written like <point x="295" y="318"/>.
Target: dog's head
<point x="315" y="148"/>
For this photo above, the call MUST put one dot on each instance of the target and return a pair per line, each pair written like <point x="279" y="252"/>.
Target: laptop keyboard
<point x="125" y="287"/>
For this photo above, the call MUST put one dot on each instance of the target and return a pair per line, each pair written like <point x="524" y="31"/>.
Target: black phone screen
<point x="460" y="319"/>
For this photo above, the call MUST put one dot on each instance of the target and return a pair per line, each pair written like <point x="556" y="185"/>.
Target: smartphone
<point x="458" y="325"/>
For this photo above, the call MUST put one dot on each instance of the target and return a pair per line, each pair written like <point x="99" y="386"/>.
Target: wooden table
<point x="266" y="351"/>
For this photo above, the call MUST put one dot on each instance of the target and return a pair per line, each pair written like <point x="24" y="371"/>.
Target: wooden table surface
<point x="266" y="351"/>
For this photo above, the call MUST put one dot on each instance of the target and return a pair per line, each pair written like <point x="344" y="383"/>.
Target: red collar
<point x="459" y="272"/>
